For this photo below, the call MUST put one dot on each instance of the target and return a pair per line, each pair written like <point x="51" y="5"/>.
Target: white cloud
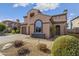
<point x="72" y="14"/>
<point x="20" y="4"/>
<point x="46" y="6"/>
<point x="39" y="6"/>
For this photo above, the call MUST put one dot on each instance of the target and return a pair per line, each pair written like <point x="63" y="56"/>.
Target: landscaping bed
<point x="29" y="43"/>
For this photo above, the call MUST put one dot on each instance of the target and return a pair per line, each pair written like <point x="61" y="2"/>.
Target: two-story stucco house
<point x="75" y="22"/>
<point x="38" y="25"/>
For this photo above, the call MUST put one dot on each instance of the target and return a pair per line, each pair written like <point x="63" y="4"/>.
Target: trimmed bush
<point x="18" y="43"/>
<point x="65" y="46"/>
<point x="23" y="51"/>
<point x="17" y="31"/>
<point x="13" y="31"/>
<point x="9" y="30"/>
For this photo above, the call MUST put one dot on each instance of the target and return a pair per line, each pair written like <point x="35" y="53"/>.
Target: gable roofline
<point x="75" y="18"/>
<point x="60" y="14"/>
<point x="45" y="14"/>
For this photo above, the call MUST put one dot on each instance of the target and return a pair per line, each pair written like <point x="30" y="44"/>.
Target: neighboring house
<point x="75" y="24"/>
<point x="38" y="25"/>
<point x="12" y="24"/>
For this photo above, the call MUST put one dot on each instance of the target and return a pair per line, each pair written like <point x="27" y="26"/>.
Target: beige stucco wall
<point x="41" y="17"/>
<point x="31" y="29"/>
<point x="60" y="18"/>
<point x="46" y="30"/>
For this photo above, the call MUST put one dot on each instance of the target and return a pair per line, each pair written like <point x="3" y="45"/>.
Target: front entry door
<point x="57" y="29"/>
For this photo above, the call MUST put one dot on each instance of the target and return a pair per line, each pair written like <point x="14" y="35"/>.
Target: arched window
<point x="38" y="26"/>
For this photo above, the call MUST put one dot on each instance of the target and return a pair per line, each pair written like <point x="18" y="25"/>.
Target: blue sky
<point x="14" y="11"/>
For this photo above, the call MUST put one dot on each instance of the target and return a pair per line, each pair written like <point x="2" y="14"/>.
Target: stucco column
<point x="21" y="29"/>
<point x="28" y="29"/>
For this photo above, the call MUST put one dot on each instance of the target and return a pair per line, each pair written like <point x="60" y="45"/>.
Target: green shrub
<point x="2" y="27"/>
<point x="17" y="31"/>
<point x="9" y="30"/>
<point x="13" y="31"/>
<point x="65" y="46"/>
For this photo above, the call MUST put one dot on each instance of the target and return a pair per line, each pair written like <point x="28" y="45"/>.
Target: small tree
<point x="2" y="27"/>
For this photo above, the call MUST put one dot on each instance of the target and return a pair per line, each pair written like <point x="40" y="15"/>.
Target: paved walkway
<point x="10" y="38"/>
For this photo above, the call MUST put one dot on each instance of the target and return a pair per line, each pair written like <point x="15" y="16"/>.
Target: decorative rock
<point x="6" y="46"/>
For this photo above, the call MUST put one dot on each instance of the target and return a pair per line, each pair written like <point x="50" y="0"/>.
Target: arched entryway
<point x="57" y="29"/>
<point x="38" y="29"/>
<point x="38" y="26"/>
